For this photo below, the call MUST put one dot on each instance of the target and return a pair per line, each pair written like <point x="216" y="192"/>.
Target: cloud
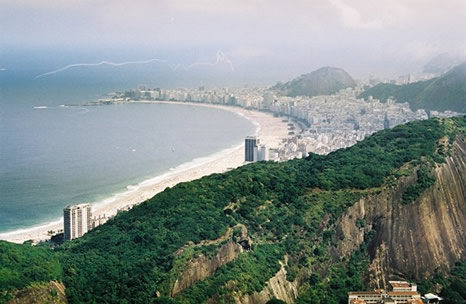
<point x="351" y="17"/>
<point x="220" y="58"/>
<point x="116" y="64"/>
<point x="248" y="52"/>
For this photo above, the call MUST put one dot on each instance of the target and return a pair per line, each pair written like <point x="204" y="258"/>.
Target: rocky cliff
<point x="411" y="241"/>
<point x="277" y="287"/>
<point x="52" y="292"/>
<point x="203" y="266"/>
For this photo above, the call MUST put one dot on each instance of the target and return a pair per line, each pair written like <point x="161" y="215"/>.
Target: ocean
<point x="53" y="154"/>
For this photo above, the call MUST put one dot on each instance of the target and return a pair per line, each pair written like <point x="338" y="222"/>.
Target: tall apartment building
<point x="261" y="153"/>
<point x="77" y="220"/>
<point x="250" y="145"/>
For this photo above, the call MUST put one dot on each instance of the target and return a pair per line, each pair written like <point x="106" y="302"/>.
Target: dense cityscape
<point x="319" y="124"/>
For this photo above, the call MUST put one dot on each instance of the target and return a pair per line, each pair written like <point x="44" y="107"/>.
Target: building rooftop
<point x="431" y="296"/>
<point x="82" y="205"/>
<point x="404" y="284"/>
<point x="401" y="284"/>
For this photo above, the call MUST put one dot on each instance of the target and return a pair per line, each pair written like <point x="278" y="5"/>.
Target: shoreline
<point x="270" y="129"/>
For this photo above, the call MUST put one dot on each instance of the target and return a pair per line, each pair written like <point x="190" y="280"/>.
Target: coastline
<point x="270" y="129"/>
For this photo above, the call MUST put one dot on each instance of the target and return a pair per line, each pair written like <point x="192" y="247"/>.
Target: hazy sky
<point x="386" y="37"/>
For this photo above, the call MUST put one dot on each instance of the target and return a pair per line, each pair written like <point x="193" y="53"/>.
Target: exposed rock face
<point x="203" y="267"/>
<point x="414" y="240"/>
<point x="277" y="287"/>
<point x="51" y="292"/>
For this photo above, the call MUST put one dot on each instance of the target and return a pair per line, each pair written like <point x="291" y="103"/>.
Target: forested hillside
<point x="284" y="215"/>
<point x="447" y="92"/>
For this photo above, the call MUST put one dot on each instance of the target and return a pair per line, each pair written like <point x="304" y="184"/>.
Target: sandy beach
<point x="270" y="129"/>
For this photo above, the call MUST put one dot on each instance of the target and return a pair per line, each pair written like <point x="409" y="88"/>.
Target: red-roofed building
<point x="402" y="293"/>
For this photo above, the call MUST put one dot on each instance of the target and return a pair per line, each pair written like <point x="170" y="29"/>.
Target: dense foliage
<point x="22" y="265"/>
<point x="424" y="181"/>
<point x="453" y="287"/>
<point x="342" y="278"/>
<point x="288" y="209"/>
<point x="447" y="92"/>
<point x="247" y="274"/>
<point x="137" y="249"/>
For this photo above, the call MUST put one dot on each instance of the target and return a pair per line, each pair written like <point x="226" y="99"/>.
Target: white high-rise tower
<point x="77" y="220"/>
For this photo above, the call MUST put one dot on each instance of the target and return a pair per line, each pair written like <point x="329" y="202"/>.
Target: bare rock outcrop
<point x="277" y="287"/>
<point x="201" y="267"/>
<point x="414" y="240"/>
<point x="52" y="292"/>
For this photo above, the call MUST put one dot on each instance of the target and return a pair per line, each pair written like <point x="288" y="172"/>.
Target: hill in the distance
<point x="447" y="92"/>
<point x="444" y="62"/>
<point x="324" y="81"/>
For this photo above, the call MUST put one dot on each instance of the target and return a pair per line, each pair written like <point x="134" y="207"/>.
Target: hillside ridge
<point x="447" y="92"/>
<point x="323" y="81"/>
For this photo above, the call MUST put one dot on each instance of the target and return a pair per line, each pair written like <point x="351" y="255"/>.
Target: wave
<point x="255" y="123"/>
<point x="130" y="189"/>
<point x="51" y="224"/>
<point x="96" y="205"/>
<point x="82" y="110"/>
<point x="194" y="163"/>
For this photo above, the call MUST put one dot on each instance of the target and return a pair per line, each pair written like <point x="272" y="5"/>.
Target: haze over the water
<point x="200" y="41"/>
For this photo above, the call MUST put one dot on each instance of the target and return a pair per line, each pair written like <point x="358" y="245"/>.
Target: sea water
<point x="53" y="154"/>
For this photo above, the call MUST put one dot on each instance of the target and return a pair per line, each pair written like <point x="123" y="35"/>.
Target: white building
<point x="99" y="220"/>
<point x="77" y="220"/>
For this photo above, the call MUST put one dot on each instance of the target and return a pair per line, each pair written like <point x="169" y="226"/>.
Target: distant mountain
<point x="443" y="62"/>
<point x="447" y="92"/>
<point x="324" y="81"/>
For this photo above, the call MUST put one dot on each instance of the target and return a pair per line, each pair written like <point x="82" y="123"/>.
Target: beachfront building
<point x="99" y="220"/>
<point x="261" y="153"/>
<point x="253" y="151"/>
<point x="77" y="220"/>
<point x="250" y="148"/>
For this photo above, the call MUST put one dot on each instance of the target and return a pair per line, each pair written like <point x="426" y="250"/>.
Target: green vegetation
<point x="424" y="181"/>
<point x="23" y="265"/>
<point x="247" y="274"/>
<point x="275" y="301"/>
<point x="453" y="287"/>
<point x="447" y="92"/>
<point x="289" y="210"/>
<point x="341" y="278"/>
<point x="273" y="200"/>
